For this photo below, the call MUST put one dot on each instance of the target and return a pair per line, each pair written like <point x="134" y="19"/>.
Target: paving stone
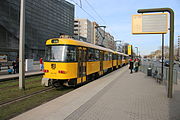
<point x="130" y="97"/>
<point x="117" y="96"/>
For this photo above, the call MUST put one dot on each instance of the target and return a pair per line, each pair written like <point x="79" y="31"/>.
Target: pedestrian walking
<point x="41" y="64"/>
<point x="131" y="65"/>
<point x="14" y="66"/>
<point x="136" y="65"/>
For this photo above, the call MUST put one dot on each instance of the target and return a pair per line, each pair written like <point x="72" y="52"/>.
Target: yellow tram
<point x="70" y="62"/>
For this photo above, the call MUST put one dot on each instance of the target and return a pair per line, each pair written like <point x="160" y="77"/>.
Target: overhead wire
<point x="84" y="10"/>
<point x="100" y="17"/>
<point x="95" y="11"/>
<point x="80" y="6"/>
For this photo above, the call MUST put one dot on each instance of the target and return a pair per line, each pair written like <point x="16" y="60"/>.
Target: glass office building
<point x="44" y="19"/>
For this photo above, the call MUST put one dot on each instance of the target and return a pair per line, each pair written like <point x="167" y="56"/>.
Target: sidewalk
<point x="4" y="75"/>
<point x="4" y="70"/>
<point x="117" y="96"/>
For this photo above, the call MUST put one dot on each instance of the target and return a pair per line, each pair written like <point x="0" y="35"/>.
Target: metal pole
<point x="171" y="48"/>
<point x="171" y="55"/>
<point x="104" y="36"/>
<point x="21" y="46"/>
<point x="137" y="51"/>
<point x="162" y="56"/>
<point x="178" y="47"/>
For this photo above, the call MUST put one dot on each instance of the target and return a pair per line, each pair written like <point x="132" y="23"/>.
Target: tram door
<point x="81" y="65"/>
<point x="117" y="59"/>
<point x="101" y="62"/>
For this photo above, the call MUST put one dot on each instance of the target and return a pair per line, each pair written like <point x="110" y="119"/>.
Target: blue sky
<point x="116" y="15"/>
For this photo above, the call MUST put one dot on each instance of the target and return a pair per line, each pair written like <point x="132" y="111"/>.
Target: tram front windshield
<point x="61" y="53"/>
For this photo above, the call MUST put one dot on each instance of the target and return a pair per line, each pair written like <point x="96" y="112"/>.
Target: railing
<point x="176" y="73"/>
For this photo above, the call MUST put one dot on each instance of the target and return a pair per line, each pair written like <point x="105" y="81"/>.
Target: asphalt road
<point x="158" y="64"/>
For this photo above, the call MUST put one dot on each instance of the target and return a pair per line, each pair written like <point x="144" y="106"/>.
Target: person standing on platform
<point x="41" y="64"/>
<point x="10" y="70"/>
<point x="14" y="66"/>
<point x="136" y="65"/>
<point x="131" y="65"/>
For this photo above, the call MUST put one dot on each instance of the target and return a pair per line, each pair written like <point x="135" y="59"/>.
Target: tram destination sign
<point x="156" y="23"/>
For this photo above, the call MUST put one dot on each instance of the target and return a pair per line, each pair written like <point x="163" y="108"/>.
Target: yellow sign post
<point x="150" y="23"/>
<point x="157" y="24"/>
<point x="129" y="49"/>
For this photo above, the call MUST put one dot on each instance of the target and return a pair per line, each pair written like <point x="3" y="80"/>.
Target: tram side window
<point x="120" y="57"/>
<point x="114" y="56"/>
<point x="71" y="54"/>
<point x="97" y="55"/>
<point x="91" y="54"/>
<point x="125" y="57"/>
<point x="110" y="56"/>
<point x="106" y="56"/>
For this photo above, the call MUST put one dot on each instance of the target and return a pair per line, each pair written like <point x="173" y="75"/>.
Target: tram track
<point x="24" y="97"/>
<point x="12" y="86"/>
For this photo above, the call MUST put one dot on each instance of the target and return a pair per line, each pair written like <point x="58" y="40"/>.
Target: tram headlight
<point x="55" y="41"/>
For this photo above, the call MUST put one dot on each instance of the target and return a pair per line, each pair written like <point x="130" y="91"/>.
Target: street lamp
<point x="139" y="54"/>
<point x="178" y="48"/>
<point x="21" y="46"/>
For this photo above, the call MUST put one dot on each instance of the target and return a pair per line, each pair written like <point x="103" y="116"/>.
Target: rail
<point x="24" y="97"/>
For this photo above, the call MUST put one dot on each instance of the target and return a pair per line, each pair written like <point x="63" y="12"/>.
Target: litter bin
<point x="149" y="72"/>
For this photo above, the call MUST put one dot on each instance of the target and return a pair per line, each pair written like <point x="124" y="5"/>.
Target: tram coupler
<point x="45" y="82"/>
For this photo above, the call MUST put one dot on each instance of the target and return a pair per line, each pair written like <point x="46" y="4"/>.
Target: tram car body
<point x="70" y="62"/>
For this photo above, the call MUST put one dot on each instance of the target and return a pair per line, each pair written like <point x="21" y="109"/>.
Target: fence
<point x="176" y="74"/>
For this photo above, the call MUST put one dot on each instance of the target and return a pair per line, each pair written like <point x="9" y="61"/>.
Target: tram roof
<point x="67" y="41"/>
<point x="121" y="53"/>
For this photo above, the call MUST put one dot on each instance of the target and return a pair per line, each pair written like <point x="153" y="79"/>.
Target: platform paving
<point x="116" y="96"/>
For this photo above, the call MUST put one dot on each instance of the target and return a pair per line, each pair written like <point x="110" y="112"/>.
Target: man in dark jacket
<point x="14" y="67"/>
<point x="131" y="65"/>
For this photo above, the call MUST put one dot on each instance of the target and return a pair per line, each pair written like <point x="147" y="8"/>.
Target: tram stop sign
<point x="156" y="23"/>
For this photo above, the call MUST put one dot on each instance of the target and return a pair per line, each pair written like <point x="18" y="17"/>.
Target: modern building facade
<point x="109" y="41"/>
<point x="83" y="30"/>
<point x="88" y="31"/>
<point x="103" y="38"/>
<point x="44" y="19"/>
